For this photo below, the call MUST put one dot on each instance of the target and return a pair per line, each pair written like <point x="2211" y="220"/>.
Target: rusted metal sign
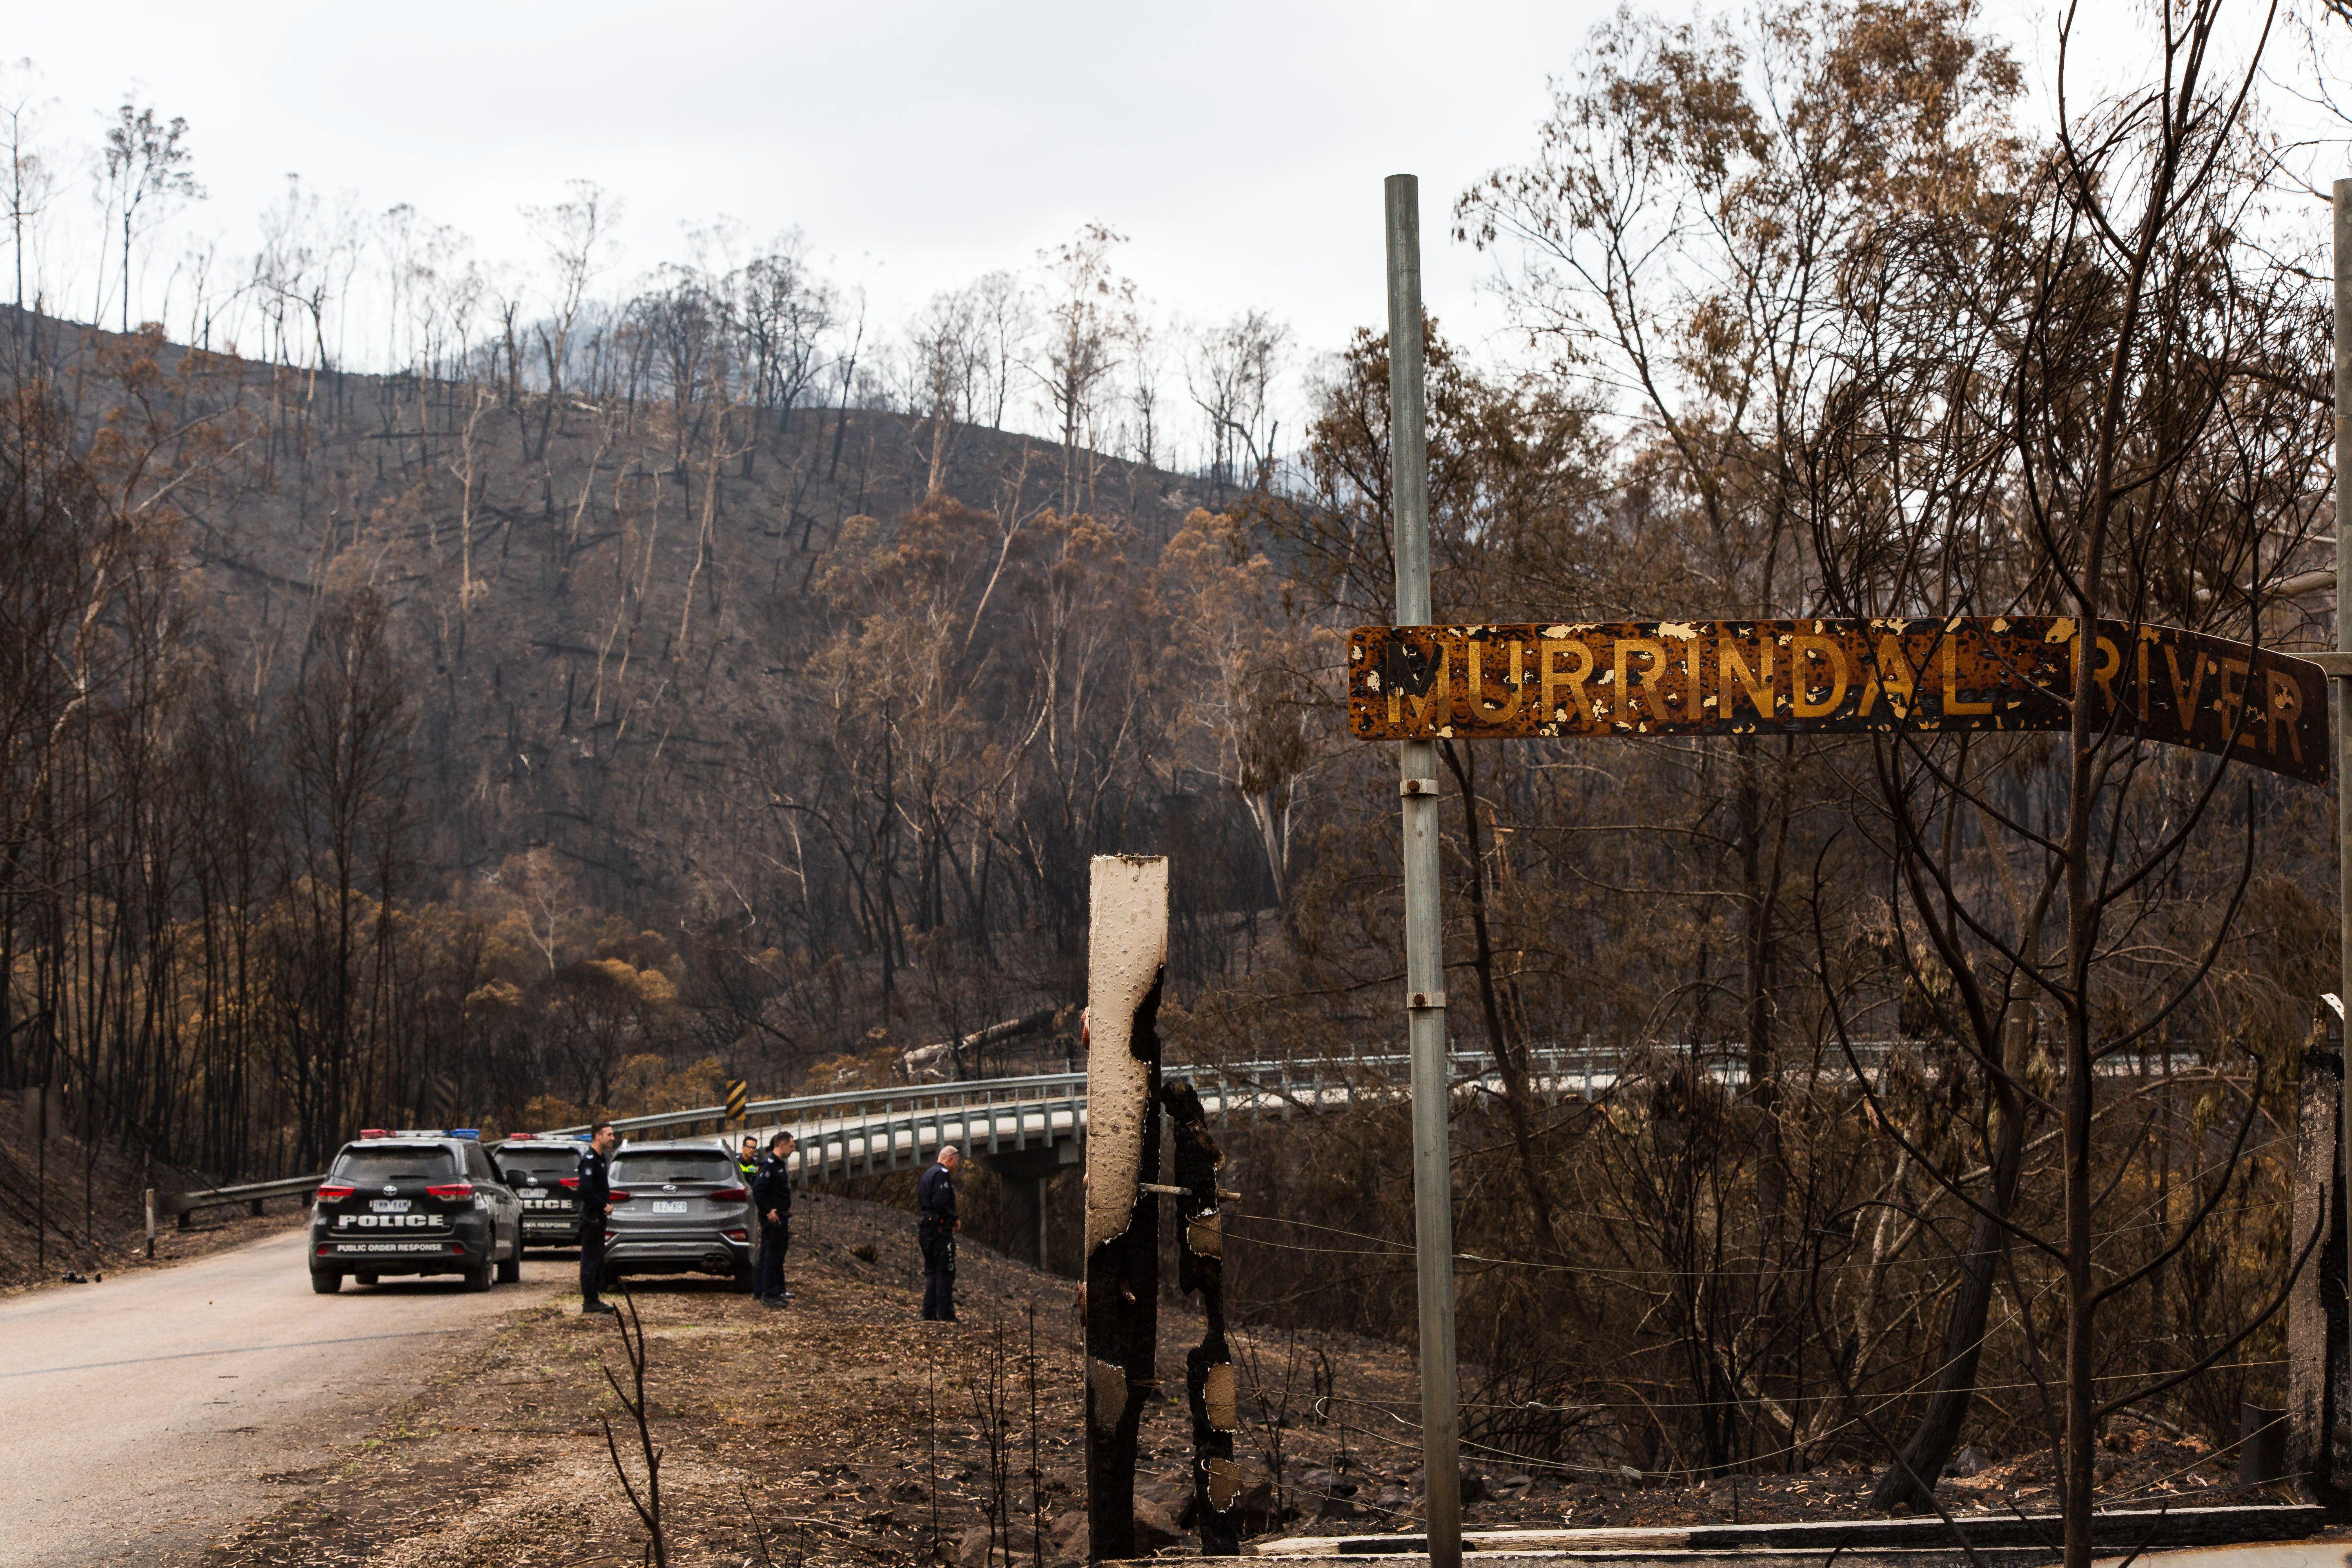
<point x="1698" y="677"/>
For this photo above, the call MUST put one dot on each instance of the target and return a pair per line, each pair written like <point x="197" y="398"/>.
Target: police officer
<point x="935" y="1197"/>
<point x="595" y="1207"/>
<point x="771" y="1197"/>
<point x="747" y="1164"/>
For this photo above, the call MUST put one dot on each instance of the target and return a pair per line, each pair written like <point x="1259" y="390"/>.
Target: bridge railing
<point x="881" y="1129"/>
<point x="840" y="1103"/>
<point x="1552" y="1067"/>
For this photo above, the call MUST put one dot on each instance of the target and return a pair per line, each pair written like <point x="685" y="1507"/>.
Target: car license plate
<point x="389" y="1205"/>
<point x="669" y="1205"/>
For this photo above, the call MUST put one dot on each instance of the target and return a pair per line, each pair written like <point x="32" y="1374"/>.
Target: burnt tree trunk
<point x="1209" y="1365"/>
<point x="1127" y="965"/>
<point x="2317" y="1334"/>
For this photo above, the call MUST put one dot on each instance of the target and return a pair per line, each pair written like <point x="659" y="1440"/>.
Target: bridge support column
<point x="1027" y="1174"/>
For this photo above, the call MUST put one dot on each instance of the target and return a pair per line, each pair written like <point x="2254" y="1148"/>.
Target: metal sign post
<point x="1424" y="970"/>
<point x="2340" y="666"/>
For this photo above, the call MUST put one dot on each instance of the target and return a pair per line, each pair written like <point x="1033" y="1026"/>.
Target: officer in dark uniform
<point x="771" y="1198"/>
<point x="595" y="1207"/>
<point x="935" y="1197"/>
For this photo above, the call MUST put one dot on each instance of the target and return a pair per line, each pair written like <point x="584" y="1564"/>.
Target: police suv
<point x="545" y="1176"/>
<point x="415" y="1203"/>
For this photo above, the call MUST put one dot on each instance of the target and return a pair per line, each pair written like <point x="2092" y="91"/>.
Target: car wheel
<point x="743" y="1280"/>
<point x="365" y="1278"/>
<point x="478" y="1279"/>
<point x="608" y="1280"/>
<point x="510" y="1267"/>
<point x="326" y="1281"/>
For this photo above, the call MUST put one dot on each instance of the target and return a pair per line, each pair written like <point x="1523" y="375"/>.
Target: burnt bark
<point x="2317" y="1337"/>
<point x="1122" y="1318"/>
<point x="1209" y="1365"/>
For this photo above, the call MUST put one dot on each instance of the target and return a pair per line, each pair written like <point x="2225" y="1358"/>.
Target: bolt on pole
<point x="1433" y="1164"/>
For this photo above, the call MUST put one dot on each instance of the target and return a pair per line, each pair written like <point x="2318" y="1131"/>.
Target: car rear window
<point x="362" y="1163"/>
<point x="555" y="1159"/>
<point x="674" y="1165"/>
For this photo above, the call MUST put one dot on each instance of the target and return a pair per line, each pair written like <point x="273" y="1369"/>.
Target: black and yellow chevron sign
<point x="739" y="1094"/>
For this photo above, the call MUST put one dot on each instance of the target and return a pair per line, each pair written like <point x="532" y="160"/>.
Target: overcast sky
<point x="1240" y="146"/>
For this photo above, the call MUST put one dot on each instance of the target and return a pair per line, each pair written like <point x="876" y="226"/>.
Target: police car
<point x="544" y="1174"/>
<point x="415" y="1203"/>
<point x="679" y="1208"/>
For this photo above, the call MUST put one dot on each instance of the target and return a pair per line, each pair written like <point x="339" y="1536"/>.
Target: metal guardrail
<point x="870" y="1132"/>
<point x="866" y="1131"/>
<point x="772" y="1110"/>
<point x="1551" y="1068"/>
<point x="253" y="1193"/>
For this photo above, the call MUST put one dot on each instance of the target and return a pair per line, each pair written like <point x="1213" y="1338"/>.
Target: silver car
<point x="679" y="1208"/>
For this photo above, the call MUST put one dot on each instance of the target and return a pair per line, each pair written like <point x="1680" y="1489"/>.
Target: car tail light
<point x="335" y="1192"/>
<point x="612" y="1235"/>
<point x="457" y="1246"/>
<point x="324" y="1248"/>
<point x="736" y="1235"/>
<point x="451" y="1191"/>
<point x="570" y="1184"/>
<point x="731" y="1195"/>
<point x="615" y="1195"/>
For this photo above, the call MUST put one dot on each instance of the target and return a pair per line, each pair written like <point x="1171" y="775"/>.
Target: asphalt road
<point x="148" y="1414"/>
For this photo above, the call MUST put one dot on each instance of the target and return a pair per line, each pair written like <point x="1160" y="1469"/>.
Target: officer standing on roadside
<point x="595" y="1207"/>
<point x="935" y="1197"/>
<point x="771" y="1197"/>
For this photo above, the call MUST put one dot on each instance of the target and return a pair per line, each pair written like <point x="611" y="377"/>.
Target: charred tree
<point x="1126" y="965"/>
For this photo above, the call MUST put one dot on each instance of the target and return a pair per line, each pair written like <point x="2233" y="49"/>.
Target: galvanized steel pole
<point x="1424" y="970"/>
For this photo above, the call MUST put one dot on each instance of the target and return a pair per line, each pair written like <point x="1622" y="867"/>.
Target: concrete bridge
<point x="1030" y="1130"/>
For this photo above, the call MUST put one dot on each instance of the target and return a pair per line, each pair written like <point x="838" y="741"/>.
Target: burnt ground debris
<point x="816" y="1429"/>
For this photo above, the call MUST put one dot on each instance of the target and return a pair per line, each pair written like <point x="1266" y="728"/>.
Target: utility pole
<point x="2340" y="665"/>
<point x="1424" y="969"/>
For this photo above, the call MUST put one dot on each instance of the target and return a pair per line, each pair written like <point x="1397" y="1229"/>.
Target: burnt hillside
<point x="599" y="606"/>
